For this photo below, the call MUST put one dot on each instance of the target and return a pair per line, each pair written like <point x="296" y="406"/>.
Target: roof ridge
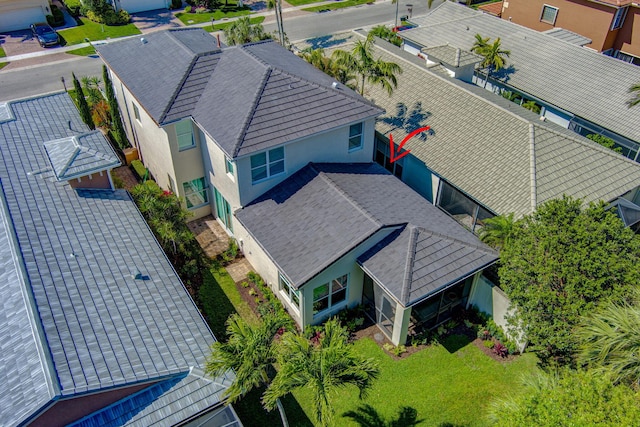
<point x="481" y="247"/>
<point x="532" y="167"/>
<point x="252" y="111"/>
<point x="408" y="268"/>
<point x="322" y="174"/>
<point x="72" y="157"/>
<point x="178" y="88"/>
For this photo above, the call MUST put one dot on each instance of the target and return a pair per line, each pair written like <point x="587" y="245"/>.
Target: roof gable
<point x="77" y="156"/>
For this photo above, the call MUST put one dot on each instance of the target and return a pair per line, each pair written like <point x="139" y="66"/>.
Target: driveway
<point x="155" y="20"/>
<point x="19" y="42"/>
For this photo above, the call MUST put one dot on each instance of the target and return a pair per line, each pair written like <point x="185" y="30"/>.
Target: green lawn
<point x="220" y="27"/>
<point x="83" y="51"/>
<point x="301" y="2"/>
<point x="199" y="18"/>
<point x="94" y="31"/>
<point x="2" y="54"/>
<point x="446" y="389"/>
<point x="3" y="64"/>
<point x="339" y="5"/>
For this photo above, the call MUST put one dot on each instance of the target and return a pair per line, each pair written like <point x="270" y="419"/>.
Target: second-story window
<point x="267" y="164"/>
<point x="136" y="112"/>
<point x="355" y="137"/>
<point x="228" y="166"/>
<point x="184" y="135"/>
<point x="618" y="18"/>
<point x="549" y="14"/>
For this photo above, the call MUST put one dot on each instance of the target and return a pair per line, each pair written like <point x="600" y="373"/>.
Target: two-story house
<point x="612" y="26"/>
<point x="575" y="87"/>
<point x="282" y="155"/>
<point x="95" y="324"/>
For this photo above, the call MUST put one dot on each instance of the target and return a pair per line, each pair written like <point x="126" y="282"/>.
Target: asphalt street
<point x="45" y="78"/>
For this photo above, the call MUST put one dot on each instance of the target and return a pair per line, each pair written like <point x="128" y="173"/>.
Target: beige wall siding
<point x="328" y="147"/>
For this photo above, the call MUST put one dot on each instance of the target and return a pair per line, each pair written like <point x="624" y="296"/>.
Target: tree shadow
<point x="455" y="342"/>
<point x="504" y="74"/>
<point x="367" y="416"/>
<point x="215" y="305"/>
<point x="325" y="41"/>
<point x="409" y="119"/>
<point x="452" y="425"/>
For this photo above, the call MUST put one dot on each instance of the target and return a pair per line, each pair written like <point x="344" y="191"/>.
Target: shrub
<point x="396" y="350"/>
<point x="73" y="6"/>
<point x="231" y="253"/>
<point x="117" y="181"/>
<point x="201" y="10"/>
<point x="500" y="349"/>
<point x="188" y="9"/>
<point x="484" y="334"/>
<point x="139" y="169"/>
<point x="489" y="344"/>
<point x="176" y="4"/>
<point x="57" y="16"/>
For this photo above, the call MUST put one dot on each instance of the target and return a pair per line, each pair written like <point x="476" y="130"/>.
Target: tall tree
<point x="635" y="100"/>
<point x="83" y="106"/>
<point x="361" y="62"/>
<point x="242" y="31"/>
<point x="567" y="399"/>
<point x="277" y="6"/>
<point x="327" y="64"/>
<point x="494" y="57"/>
<point x="496" y="231"/>
<point x="322" y="364"/>
<point x="611" y="342"/>
<point x="250" y="351"/>
<point x="560" y="263"/>
<point x="116" y="118"/>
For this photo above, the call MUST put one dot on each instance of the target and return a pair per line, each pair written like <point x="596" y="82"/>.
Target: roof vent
<point x="143" y="40"/>
<point x="543" y="119"/>
<point x="335" y="85"/>
<point x="139" y="276"/>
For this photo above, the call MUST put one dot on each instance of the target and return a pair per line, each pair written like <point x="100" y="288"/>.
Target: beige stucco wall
<point x="628" y="37"/>
<point x="11" y="5"/>
<point x="95" y="180"/>
<point x="327" y="147"/>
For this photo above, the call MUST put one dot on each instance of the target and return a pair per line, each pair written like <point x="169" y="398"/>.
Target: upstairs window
<point x="136" y="112"/>
<point x="228" y="166"/>
<point x="355" y="137"/>
<point x="195" y="193"/>
<point x="618" y="18"/>
<point x="267" y="164"/>
<point x="549" y="14"/>
<point x="184" y="135"/>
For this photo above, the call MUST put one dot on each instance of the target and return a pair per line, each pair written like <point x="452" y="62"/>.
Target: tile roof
<point x="80" y="250"/>
<point x="452" y="55"/>
<point x="247" y="98"/>
<point x="578" y="80"/>
<point x="325" y="210"/>
<point x="494" y="9"/>
<point x="81" y="155"/>
<point x="568" y="36"/>
<point x="497" y="152"/>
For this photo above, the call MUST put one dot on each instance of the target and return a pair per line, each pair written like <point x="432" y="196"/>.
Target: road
<point x="45" y="78"/>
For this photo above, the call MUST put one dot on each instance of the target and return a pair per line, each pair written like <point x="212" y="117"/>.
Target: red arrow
<point x="408" y="137"/>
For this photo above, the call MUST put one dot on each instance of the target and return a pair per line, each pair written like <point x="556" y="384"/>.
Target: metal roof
<point x="81" y="155"/>
<point x="568" y="36"/>
<point x="326" y="210"/>
<point x="578" y="80"/>
<point x="81" y="250"/>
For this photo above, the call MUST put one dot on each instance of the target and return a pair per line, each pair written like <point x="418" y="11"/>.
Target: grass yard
<point x="338" y="5"/>
<point x="446" y="389"/>
<point x="83" y="51"/>
<point x="220" y="27"/>
<point x="2" y="53"/>
<point x="199" y="18"/>
<point x="94" y="31"/>
<point x="301" y="2"/>
<point x="3" y="64"/>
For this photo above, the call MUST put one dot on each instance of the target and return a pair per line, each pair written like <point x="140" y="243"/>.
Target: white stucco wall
<point x="327" y="147"/>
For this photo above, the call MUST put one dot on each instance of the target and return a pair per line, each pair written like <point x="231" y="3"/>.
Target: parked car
<point x="46" y="35"/>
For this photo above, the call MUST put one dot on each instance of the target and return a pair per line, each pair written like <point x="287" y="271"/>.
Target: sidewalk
<point x="288" y="12"/>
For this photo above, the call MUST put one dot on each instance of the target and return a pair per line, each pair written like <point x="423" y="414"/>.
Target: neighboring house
<point x="272" y="139"/>
<point x="220" y="126"/>
<point x="19" y="14"/>
<point x="96" y="326"/>
<point x="336" y="235"/>
<point x="494" y="9"/>
<point x="577" y="88"/>
<point x="135" y="6"/>
<point x="613" y="26"/>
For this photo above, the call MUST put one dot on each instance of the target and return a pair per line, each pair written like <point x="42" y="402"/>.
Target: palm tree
<point x="250" y="351"/>
<point x="496" y="231"/>
<point x="242" y="31"/>
<point x="323" y="364"/>
<point x="492" y="53"/>
<point x="360" y="61"/>
<point x="277" y="5"/>
<point x="327" y="64"/>
<point x="611" y="341"/>
<point x="635" y="90"/>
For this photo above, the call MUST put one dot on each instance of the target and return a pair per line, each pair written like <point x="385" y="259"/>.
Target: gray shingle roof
<point x="568" y="36"/>
<point x="247" y="98"/>
<point x="588" y="84"/>
<point x="452" y="55"/>
<point x="486" y="145"/>
<point x="81" y="250"/>
<point x="80" y="155"/>
<point x="325" y="210"/>
<point x="413" y="262"/>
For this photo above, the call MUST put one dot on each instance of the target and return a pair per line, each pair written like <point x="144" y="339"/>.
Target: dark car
<point x="46" y="35"/>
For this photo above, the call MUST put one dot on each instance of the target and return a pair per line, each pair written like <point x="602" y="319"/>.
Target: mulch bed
<point x="251" y="299"/>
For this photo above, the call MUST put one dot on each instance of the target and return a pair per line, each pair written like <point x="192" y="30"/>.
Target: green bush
<point x="57" y="17"/>
<point x="73" y="6"/>
<point x="176" y="4"/>
<point x="188" y="9"/>
<point x="489" y="344"/>
<point x="139" y="169"/>
<point x="109" y="17"/>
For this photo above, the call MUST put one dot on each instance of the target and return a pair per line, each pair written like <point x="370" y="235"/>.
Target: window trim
<point x="136" y="112"/>
<point x="268" y="163"/>
<point x="286" y="289"/>
<point x="555" y="15"/>
<point x="204" y="191"/>
<point x="619" y="17"/>
<point x="330" y="304"/>
<point x="193" y="138"/>
<point x="361" y="135"/>
<point x="228" y="166"/>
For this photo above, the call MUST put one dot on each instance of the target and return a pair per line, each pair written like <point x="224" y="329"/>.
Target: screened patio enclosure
<point x="395" y="320"/>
